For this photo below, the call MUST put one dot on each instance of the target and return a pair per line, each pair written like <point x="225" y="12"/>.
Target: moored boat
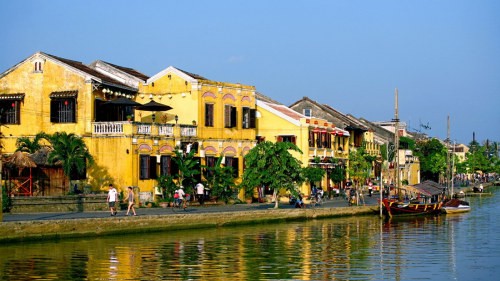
<point x="454" y="206"/>
<point x="478" y="194"/>
<point x="397" y="208"/>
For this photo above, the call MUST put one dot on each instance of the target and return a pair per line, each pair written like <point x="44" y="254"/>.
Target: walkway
<point x="336" y="202"/>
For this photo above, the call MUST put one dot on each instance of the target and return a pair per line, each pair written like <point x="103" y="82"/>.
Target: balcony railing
<point x="188" y="131"/>
<point x="135" y="128"/>
<point x="166" y="130"/>
<point x="108" y="128"/>
<point x="144" y="129"/>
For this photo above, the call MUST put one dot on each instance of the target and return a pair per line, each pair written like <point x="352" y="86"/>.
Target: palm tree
<point x="25" y="144"/>
<point x="69" y="151"/>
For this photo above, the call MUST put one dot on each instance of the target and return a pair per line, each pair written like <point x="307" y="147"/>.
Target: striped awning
<point x="64" y="94"/>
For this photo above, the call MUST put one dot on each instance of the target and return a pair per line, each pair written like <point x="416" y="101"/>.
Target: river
<point x="446" y="247"/>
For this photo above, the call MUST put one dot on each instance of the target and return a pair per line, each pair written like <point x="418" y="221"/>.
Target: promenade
<point x="194" y="210"/>
<point x="46" y="226"/>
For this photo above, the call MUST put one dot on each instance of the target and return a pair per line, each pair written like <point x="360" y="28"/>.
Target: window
<point x="210" y="163"/>
<point x="229" y="116"/>
<point x="10" y="111"/>
<point x="147" y="168"/>
<point x="291" y="139"/>
<point x="248" y="118"/>
<point x="165" y="165"/>
<point x="63" y="107"/>
<point x="308" y="112"/>
<point x="209" y="115"/>
<point x="38" y="67"/>
<point x="233" y="163"/>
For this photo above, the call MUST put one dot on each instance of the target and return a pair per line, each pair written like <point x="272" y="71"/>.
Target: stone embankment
<point x="36" y="230"/>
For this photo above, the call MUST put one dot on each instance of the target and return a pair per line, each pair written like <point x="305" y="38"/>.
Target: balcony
<point x="122" y="128"/>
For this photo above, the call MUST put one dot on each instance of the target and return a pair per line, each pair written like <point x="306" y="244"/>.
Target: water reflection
<point x="365" y="248"/>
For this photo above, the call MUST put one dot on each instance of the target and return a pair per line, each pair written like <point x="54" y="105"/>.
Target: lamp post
<point x="176" y="118"/>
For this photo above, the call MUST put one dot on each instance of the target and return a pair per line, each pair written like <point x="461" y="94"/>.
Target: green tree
<point x="25" y="144"/>
<point x="70" y="152"/>
<point x="337" y="174"/>
<point x="188" y="166"/>
<point x="272" y="165"/>
<point x="359" y="168"/>
<point x="313" y="173"/>
<point x="432" y="156"/>
<point x="220" y="179"/>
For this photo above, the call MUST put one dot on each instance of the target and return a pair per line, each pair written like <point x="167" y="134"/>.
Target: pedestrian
<point x="112" y="198"/>
<point x="200" y="193"/>
<point x="370" y="188"/>
<point x="130" y="198"/>
<point x="181" y="195"/>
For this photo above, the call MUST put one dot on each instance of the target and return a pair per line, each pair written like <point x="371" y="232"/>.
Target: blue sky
<point x="443" y="56"/>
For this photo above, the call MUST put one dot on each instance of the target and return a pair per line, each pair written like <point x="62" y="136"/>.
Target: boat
<point x="480" y="194"/>
<point x="454" y="206"/>
<point x="398" y="208"/>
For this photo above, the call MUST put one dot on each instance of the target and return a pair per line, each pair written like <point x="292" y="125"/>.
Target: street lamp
<point x="176" y="118"/>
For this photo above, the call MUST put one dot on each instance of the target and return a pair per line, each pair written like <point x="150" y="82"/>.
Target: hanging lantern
<point x="13" y="104"/>
<point x="66" y="103"/>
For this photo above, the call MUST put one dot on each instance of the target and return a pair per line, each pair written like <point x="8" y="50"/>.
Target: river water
<point x="446" y="247"/>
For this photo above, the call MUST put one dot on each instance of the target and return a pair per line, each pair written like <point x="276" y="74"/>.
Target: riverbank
<point x="38" y="230"/>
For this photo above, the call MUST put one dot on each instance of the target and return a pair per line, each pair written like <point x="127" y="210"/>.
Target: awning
<point x="64" y="94"/>
<point x="18" y="96"/>
<point x="429" y="188"/>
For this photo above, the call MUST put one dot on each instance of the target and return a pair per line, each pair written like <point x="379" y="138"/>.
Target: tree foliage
<point x="220" y="179"/>
<point x="432" y="156"/>
<point x="187" y="164"/>
<point x="70" y="152"/>
<point x="313" y="174"/>
<point x="272" y="165"/>
<point x="25" y="144"/>
<point x="359" y="168"/>
<point x="337" y="174"/>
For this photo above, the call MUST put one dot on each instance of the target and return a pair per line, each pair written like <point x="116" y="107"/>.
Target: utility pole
<point x="448" y="170"/>
<point x="396" y="143"/>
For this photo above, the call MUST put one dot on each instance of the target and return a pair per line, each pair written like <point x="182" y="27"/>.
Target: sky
<point x="443" y="56"/>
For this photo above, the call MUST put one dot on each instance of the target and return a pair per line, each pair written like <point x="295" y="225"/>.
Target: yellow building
<point x="315" y="137"/>
<point x="45" y="93"/>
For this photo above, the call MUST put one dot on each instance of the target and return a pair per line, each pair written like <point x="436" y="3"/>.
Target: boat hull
<point x="455" y="210"/>
<point x="396" y="208"/>
<point x="478" y="194"/>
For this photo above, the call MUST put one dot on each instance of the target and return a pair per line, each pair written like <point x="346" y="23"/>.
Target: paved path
<point x="336" y="202"/>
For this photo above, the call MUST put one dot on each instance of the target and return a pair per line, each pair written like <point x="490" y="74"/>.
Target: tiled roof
<point x="195" y="76"/>
<point x="84" y="68"/>
<point x="130" y="71"/>
<point x="286" y="110"/>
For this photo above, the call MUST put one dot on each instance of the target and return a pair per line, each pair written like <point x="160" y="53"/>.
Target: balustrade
<point x="108" y="128"/>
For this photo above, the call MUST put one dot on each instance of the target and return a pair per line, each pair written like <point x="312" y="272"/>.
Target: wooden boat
<point x="454" y="206"/>
<point x="397" y="208"/>
<point x="478" y="194"/>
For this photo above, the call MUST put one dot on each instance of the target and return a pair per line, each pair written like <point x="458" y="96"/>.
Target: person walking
<point x="181" y="198"/>
<point x="112" y="198"/>
<point x="200" y="193"/>
<point x="130" y="198"/>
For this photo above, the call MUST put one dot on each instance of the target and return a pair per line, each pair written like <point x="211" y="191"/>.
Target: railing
<point x="166" y="130"/>
<point x="188" y="131"/>
<point x="108" y="128"/>
<point x="124" y="127"/>
<point x="144" y="129"/>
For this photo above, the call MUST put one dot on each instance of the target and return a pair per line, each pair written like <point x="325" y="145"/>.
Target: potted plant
<point x="129" y="117"/>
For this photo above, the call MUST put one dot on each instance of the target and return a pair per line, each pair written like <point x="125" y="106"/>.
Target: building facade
<point x="100" y="102"/>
